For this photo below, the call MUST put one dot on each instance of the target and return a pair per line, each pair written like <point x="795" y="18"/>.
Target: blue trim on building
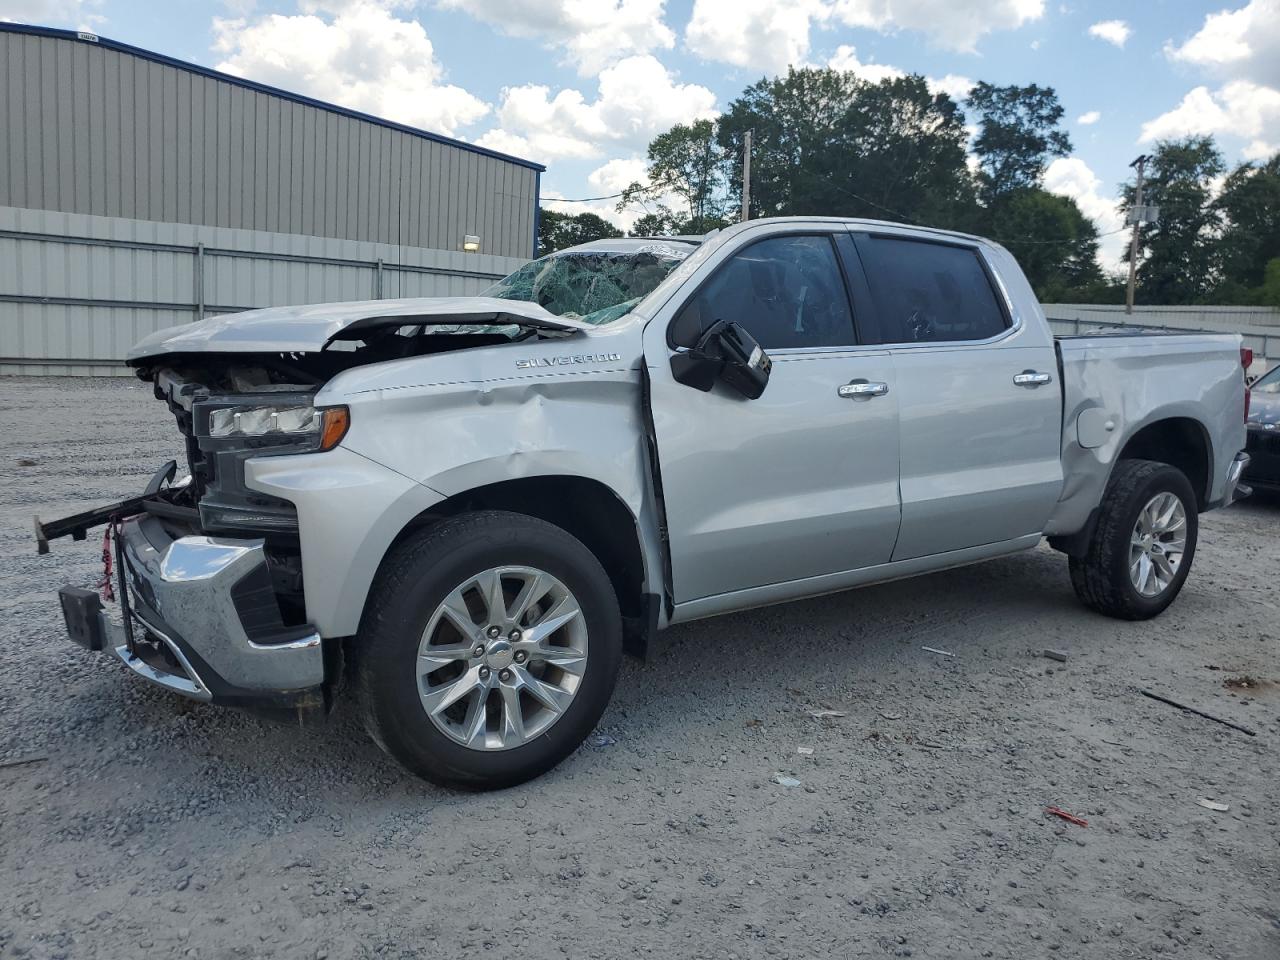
<point x="537" y="211"/>
<point x="84" y="37"/>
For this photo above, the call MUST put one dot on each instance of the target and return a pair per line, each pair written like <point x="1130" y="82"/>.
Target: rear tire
<point x="1137" y="561"/>
<point x="504" y="698"/>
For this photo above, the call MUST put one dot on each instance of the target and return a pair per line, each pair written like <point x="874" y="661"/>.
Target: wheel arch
<point x="1180" y="441"/>
<point x="585" y="508"/>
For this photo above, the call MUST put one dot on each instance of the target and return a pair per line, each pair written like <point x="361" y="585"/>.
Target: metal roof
<point x="81" y="36"/>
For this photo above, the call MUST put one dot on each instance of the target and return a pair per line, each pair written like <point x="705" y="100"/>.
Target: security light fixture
<point x="470" y="244"/>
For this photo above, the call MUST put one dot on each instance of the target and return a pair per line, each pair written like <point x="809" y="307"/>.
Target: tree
<point x="825" y="142"/>
<point x="1017" y="135"/>
<point x="559" y="230"/>
<point x="688" y="162"/>
<point x="1179" y="256"/>
<point x="1250" y="208"/>
<point x="1054" y="242"/>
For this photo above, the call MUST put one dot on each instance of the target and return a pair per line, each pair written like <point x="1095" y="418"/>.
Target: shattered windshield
<point x="594" y="286"/>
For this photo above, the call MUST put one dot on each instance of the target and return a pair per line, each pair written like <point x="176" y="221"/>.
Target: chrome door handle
<point x="1030" y="378"/>
<point x="863" y="389"/>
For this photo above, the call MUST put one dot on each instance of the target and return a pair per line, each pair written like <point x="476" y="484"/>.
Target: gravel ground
<point x="158" y="828"/>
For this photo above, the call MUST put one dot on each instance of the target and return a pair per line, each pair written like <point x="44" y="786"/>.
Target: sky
<point x="583" y="85"/>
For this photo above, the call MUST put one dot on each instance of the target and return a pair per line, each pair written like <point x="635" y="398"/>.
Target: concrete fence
<point x="77" y="291"/>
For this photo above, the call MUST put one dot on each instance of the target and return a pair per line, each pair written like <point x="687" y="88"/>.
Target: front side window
<point x="929" y="292"/>
<point x="786" y="291"/>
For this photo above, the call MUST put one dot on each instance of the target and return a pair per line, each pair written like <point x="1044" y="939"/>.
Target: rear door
<point x="802" y="481"/>
<point x="979" y="403"/>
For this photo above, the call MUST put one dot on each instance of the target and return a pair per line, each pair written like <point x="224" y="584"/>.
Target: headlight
<point x="328" y="425"/>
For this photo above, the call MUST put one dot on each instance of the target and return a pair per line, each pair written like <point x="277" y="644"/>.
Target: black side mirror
<point x="725" y="352"/>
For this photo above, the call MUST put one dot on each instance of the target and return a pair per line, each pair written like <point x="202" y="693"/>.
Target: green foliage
<point x="825" y="142"/>
<point x="1250" y="209"/>
<point x="689" y="162"/>
<point x="1056" y="245"/>
<point x="1267" y="293"/>
<point x="1179" y="257"/>
<point x="559" y="230"/>
<point x="1017" y="135"/>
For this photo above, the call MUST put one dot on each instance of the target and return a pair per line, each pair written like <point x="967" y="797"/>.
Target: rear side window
<point x="787" y="291"/>
<point x="929" y="292"/>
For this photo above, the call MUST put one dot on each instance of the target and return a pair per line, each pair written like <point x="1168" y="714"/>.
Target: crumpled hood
<point x="1264" y="408"/>
<point x="310" y="328"/>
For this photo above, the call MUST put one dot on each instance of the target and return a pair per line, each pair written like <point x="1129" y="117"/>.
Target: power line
<point x="612" y="196"/>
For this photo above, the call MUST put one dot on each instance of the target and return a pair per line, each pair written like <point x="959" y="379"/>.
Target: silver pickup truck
<point x="470" y="507"/>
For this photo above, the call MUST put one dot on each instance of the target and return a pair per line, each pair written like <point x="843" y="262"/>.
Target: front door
<point x="979" y="403"/>
<point x="802" y="481"/>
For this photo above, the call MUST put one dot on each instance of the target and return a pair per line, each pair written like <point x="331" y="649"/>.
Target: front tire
<point x="489" y="650"/>
<point x="1143" y="544"/>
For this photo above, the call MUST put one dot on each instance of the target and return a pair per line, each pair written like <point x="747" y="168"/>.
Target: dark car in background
<point x="1263" y="444"/>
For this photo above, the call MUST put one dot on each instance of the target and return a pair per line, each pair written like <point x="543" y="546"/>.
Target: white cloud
<point x="954" y="85"/>
<point x="1085" y="119"/>
<point x="1260" y="150"/>
<point x="1244" y="43"/>
<point x="763" y="35"/>
<point x="1242" y="49"/>
<point x="956" y="26"/>
<point x="846" y="58"/>
<point x="609" y="178"/>
<point x="1072" y="177"/>
<point x="1115" y="32"/>
<point x="80" y="14"/>
<point x="593" y="33"/>
<point x="768" y="36"/>
<point x="1240" y="108"/>
<point x="357" y="54"/>
<point x="637" y="98"/>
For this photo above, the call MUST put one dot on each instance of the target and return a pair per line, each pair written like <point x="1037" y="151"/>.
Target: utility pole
<point x="746" y="176"/>
<point x="1136" y="212"/>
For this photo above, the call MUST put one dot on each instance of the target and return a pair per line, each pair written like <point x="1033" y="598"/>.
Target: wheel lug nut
<point x="513" y="636"/>
<point x="504" y="676"/>
<point x="493" y="633"/>
<point x="484" y="673"/>
<point x="521" y="656"/>
<point x="478" y="651"/>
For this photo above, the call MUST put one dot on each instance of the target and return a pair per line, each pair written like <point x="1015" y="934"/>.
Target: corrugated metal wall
<point x="1259" y="326"/>
<point x="103" y="129"/>
<point x="77" y="291"/>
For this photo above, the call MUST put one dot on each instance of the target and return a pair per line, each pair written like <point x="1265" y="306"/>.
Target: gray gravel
<point x="158" y="828"/>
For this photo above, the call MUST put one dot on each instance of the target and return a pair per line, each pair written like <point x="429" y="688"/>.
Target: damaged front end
<point x="205" y="573"/>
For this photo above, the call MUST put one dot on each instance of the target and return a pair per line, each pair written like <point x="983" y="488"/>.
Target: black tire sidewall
<point x="458" y="550"/>
<point x="1167" y="479"/>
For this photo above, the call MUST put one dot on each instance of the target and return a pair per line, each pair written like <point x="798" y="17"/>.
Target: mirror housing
<point x="725" y="352"/>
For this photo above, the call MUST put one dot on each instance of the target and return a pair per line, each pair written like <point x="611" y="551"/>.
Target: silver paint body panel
<point x="800" y="492"/>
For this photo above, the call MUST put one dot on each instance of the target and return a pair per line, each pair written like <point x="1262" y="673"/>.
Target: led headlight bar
<point x="327" y="424"/>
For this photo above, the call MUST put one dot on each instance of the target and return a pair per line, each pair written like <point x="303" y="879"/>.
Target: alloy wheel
<point x="502" y="658"/>
<point x="1157" y="544"/>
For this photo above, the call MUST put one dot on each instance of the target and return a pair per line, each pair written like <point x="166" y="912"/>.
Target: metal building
<point x="138" y="191"/>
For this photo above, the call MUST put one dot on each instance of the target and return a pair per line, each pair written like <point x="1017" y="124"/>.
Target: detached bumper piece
<point x="197" y="616"/>
<point x="1236" y="490"/>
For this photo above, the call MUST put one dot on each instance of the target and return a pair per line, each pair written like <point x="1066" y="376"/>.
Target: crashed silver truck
<point x="468" y="508"/>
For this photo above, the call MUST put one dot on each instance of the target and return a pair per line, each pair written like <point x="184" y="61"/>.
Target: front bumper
<point x="197" y="616"/>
